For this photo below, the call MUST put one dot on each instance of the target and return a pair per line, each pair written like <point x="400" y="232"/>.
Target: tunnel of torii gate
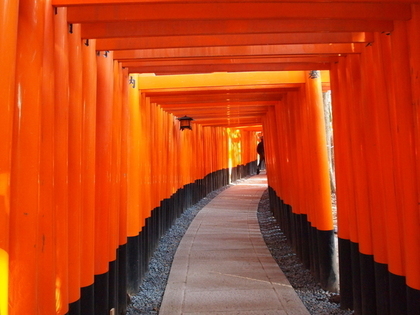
<point x="94" y="167"/>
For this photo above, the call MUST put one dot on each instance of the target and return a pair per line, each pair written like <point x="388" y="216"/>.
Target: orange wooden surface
<point x="352" y="214"/>
<point x="319" y="161"/>
<point x="281" y="147"/>
<point x="272" y="162"/>
<point x="373" y="83"/>
<point x="103" y="161"/>
<point x="413" y="26"/>
<point x="73" y="2"/>
<point x="359" y="142"/>
<point x="8" y="42"/>
<point x="236" y="10"/>
<point x="127" y="29"/>
<point x="46" y="236"/>
<point x="145" y="159"/>
<point x="61" y="153"/>
<point x="115" y="167"/>
<point x="75" y="161"/>
<point x="24" y="194"/>
<point x="160" y="166"/>
<point x="228" y="40"/>
<point x="240" y="51"/>
<point x="395" y="237"/>
<point x="296" y="134"/>
<point x="88" y="163"/>
<point x="344" y="192"/>
<point x="406" y="151"/>
<point x="122" y="189"/>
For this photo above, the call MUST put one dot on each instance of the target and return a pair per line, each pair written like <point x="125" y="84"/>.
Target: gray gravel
<point x="149" y="298"/>
<point x="316" y="300"/>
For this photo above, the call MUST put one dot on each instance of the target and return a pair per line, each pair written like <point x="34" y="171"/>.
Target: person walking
<point x="260" y="151"/>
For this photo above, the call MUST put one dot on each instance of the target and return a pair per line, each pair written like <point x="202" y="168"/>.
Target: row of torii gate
<point x="94" y="168"/>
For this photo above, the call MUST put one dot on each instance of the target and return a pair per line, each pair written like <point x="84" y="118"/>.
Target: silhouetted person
<point x="260" y="151"/>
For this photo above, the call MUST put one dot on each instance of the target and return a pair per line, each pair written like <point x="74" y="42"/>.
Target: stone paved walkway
<point x="222" y="265"/>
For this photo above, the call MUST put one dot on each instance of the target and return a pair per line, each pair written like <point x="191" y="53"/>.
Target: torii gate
<point x="73" y="125"/>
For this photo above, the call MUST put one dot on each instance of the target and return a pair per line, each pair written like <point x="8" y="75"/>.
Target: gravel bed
<point x="316" y="300"/>
<point x="150" y="295"/>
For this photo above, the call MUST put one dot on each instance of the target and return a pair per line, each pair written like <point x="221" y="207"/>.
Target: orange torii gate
<point x="81" y="110"/>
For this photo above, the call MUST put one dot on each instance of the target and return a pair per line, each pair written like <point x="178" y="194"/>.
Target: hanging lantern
<point x="185" y="122"/>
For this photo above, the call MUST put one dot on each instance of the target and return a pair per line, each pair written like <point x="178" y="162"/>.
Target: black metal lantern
<point x="185" y="122"/>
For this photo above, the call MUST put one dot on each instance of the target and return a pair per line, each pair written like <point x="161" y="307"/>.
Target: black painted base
<point x="87" y="304"/>
<point x="122" y="279"/>
<point x="368" y="287"/>
<point x="314" y="248"/>
<point x="133" y="276"/>
<point x="382" y="288"/>
<point x="367" y="274"/>
<point x="356" y="281"/>
<point x="113" y="286"/>
<point x="413" y="301"/>
<point x="74" y="308"/>
<point x="306" y="257"/>
<point x="101" y="294"/>
<point x="327" y="256"/>
<point x="345" y="272"/>
<point x="397" y="294"/>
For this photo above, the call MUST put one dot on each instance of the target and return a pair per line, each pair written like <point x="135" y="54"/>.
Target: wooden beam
<point x="223" y="81"/>
<point x="237" y="10"/>
<point x="231" y="122"/>
<point x="243" y="51"/>
<point x="286" y="87"/>
<point x="228" y="61"/>
<point x="219" y="27"/>
<point x="233" y="105"/>
<point x="230" y="40"/>
<point x="170" y="70"/>
<point x="251" y="96"/>
<point x="209" y="112"/>
<point x="103" y="2"/>
<point x="217" y="90"/>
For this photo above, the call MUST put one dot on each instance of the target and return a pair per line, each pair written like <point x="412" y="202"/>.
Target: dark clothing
<point x="260" y="151"/>
<point x="260" y="148"/>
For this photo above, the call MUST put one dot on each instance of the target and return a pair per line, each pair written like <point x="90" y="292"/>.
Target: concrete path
<point x="222" y="265"/>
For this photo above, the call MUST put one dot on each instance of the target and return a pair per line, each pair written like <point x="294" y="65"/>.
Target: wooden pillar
<point x="403" y="116"/>
<point x="378" y="156"/>
<point x="343" y="173"/>
<point x="272" y="161"/>
<point x="88" y="176"/>
<point x="46" y="272"/>
<point x="115" y="174"/>
<point x="321" y="199"/>
<point x="362" y="152"/>
<point x="302" y="204"/>
<point x="133" y="186"/>
<point x="61" y="155"/>
<point x="24" y="212"/>
<point x="146" y="158"/>
<point x="8" y="42"/>
<point x="413" y="291"/>
<point x="146" y="188"/>
<point x="103" y="179"/>
<point x="75" y="166"/>
<point x="123" y="221"/>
